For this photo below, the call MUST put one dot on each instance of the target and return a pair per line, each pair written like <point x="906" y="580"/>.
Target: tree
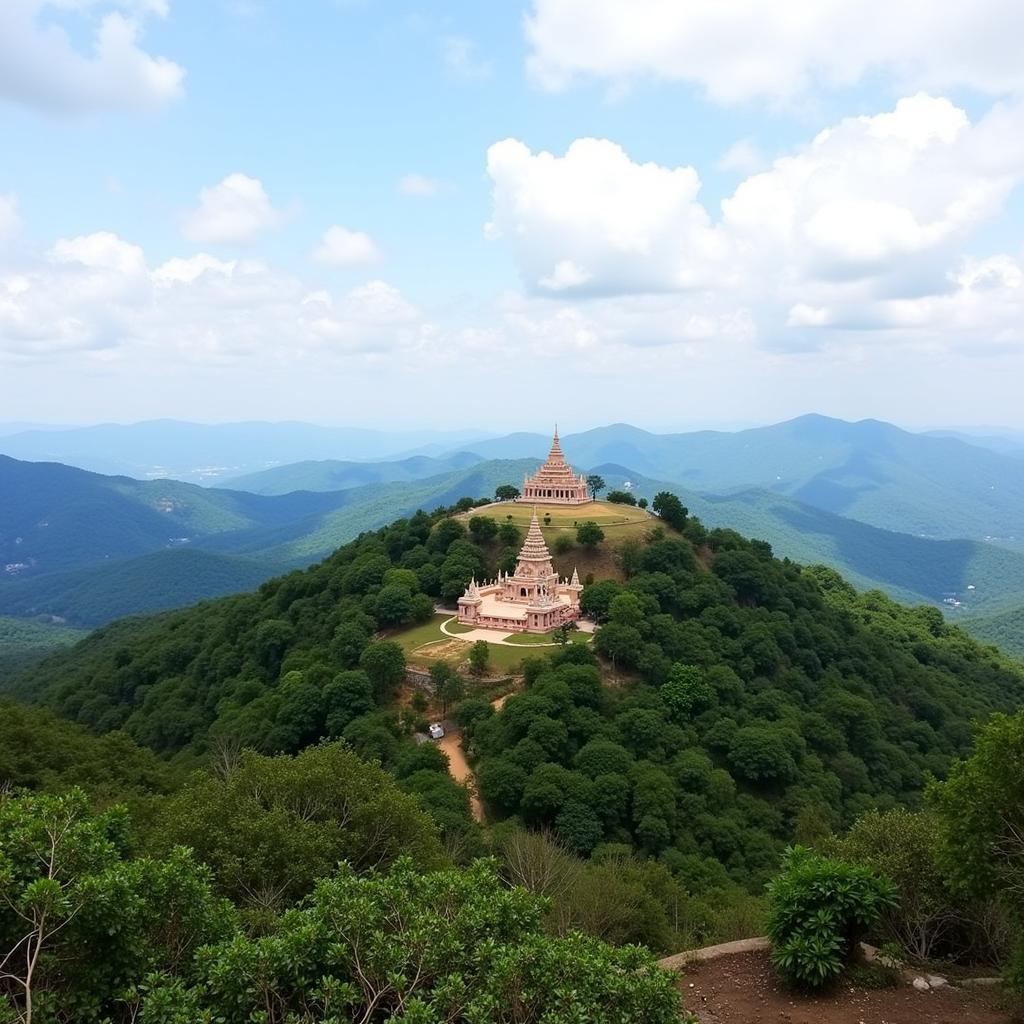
<point x="670" y="509"/>
<point x="384" y="662"/>
<point x="509" y="535"/>
<point x="596" y="484"/>
<point x="451" y="691"/>
<point x="448" y="945"/>
<point x="562" y="544"/>
<point x="274" y="825"/>
<point x="483" y="528"/>
<point x="589" y="534"/>
<point x="621" y="498"/>
<point x="760" y="754"/>
<point x="641" y="503"/>
<point x="81" y="924"/>
<point x="506" y="492"/>
<point x="686" y="692"/>
<point x="479" y="657"/>
<point x="393" y="604"/>
<point x="981" y="813"/>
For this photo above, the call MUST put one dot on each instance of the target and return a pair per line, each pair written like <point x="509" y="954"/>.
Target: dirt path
<point x="458" y="766"/>
<point x="742" y="989"/>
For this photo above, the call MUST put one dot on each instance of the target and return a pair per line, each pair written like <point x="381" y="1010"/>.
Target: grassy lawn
<point x="417" y="636"/>
<point x="564" y="519"/>
<point x="532" y="639"/>
<point x="458" y="627"/>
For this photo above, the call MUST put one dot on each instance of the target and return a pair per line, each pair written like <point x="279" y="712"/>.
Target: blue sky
<point x="477" y="214"/>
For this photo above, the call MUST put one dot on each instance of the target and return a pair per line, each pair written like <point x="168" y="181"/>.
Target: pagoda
<point x="556" y="482"/>
<point x="531" y="600"/>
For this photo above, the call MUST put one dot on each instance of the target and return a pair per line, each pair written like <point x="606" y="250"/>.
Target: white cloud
<point x="750" y="48"/>
<point x="462" y="59"/>
<point x="743" y="155"/>
<point x="235" y="211"/>
<point x="41" y="67"/>
<point x="346" y="248"/>
<point x="97" y="295"/>
<point x="418" y="185"/>
<point x="10" y="222"/>
<point x="593" y="220"/>
<point x="862" y="229"/>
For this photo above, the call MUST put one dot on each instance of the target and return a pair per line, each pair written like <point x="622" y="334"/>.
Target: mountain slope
<point x="96" y="594"/>
<point x="790" y="693"/>
<point x="1005" y="630"/>
<point x="56" y="517"/>
<point x="22" y="640"/>
<point x="334" y="475"/>
<point x="909" y="568"/>
<point x="910" y="483"/>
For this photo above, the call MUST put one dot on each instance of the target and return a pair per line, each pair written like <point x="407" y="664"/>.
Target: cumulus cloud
<point x="749" y="48"/>
<point x="862" y="228"/>
<point x="235" y="211"/>
<point x="592" y="220"/>
<point x="41" y="67"/>
<point x="98" y="295"/>
<point x="418" y="185"/>
<point x="345" y="248"/>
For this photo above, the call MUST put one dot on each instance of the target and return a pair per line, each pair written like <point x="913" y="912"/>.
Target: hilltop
<point x="805" y="698"/>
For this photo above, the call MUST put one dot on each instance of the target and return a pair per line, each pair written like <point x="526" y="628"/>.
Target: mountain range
<point x="212" y="453"/>
<point x="927" y="518"/>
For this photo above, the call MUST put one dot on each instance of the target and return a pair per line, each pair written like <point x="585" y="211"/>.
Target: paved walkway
<point x="496" y="636"/>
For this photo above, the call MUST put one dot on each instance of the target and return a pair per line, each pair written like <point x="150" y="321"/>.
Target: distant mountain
<point x="89" y="548"/>
<point x="366" y="508"/>
<point x="334" y="475"/>
<point x="911" y="569"/>
<point x="1005" y="444"/>
<point x="55" y="517"/>
<point x="94" y="595"/>
<point x="212" y="453"/>
<point x="909" y="483"/>
<point x="92" y="533"/>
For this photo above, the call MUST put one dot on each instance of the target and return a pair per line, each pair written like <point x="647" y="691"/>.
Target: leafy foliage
<point x="402" y="946"/>
<point x="268" y="827"/>
<point x="818" y="908"/>
<point x="82" y="924"/>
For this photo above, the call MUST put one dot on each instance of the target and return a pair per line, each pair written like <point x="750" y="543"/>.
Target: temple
<point x="556" y="483"/>
<point x="532" y="600"/>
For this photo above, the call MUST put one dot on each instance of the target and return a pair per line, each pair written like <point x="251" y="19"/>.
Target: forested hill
<point x="754" y="700"/>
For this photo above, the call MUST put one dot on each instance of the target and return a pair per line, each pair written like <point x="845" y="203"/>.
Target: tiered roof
<point x="534" y="548"/>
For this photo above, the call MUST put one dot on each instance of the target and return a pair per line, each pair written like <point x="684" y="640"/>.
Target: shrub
<point x="818" y="909"/>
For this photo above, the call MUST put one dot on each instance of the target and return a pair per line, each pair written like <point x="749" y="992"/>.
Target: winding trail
<point x="458" y="766"/>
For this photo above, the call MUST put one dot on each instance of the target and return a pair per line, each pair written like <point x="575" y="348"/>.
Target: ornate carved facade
<point x="556" y="482"/>
<point x="532" y="600"/>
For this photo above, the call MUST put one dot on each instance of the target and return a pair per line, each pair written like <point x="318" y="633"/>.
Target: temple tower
<point x="556" y="482"/>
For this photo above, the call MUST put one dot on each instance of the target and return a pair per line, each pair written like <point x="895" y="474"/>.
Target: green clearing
<point x="535" y="639"/>
<point x="624" y="520"/>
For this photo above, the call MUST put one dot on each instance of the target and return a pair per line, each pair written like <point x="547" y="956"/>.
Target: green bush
<point x="818" y="909"/>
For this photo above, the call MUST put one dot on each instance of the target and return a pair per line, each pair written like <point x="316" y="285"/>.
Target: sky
<point x="676" y="213"/>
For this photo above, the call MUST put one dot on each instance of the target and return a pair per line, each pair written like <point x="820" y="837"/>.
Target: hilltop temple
<point x="532" y="600"/>
<point x="556" y="482"/>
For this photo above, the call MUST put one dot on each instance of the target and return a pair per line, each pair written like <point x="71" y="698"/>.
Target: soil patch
<point x="743" y="989"/>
